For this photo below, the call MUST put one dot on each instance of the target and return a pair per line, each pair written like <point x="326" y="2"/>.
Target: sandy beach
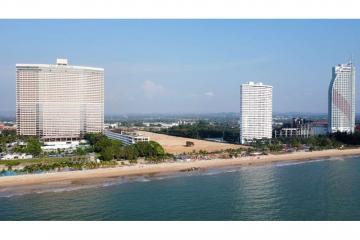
<point x="144" y="169"/>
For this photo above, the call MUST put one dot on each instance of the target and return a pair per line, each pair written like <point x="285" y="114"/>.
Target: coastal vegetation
<point x="66" y="164"/>
<point x="313" y="143"/>
<point x="44" y="160"/>
<point x="350" y="139"/>
<point x="54" y="164"/>
<point x="108" y="149"/>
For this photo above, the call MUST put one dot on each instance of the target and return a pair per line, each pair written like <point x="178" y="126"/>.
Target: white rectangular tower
<point x="255" y="112"/>
<point x="342" y="99"/>
<point x="59" y="102"/>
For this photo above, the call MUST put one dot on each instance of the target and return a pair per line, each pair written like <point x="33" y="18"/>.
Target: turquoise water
<point x="317" y="190"/>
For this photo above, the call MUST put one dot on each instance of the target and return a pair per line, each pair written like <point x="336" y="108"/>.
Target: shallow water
<point x="324" y="189"/>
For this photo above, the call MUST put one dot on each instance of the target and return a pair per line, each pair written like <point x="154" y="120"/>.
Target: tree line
<point x="320" y="142"/>
<point x="203" y="129"/>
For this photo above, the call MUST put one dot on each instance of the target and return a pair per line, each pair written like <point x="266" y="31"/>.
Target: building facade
<point x="255" y="112"/>
<point x="319" y="128"/>
<point x="303" y="131"/>
<point x="341" y="110"/>
<point x="59" y="102"/>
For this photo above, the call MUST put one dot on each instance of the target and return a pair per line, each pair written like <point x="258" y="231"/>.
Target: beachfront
<point x="168" y="167"/>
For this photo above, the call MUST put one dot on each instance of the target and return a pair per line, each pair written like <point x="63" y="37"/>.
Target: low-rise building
<point x="53" y="146"/>
<point x="160" y="124"/>
<point x="16" y="156"/>
<point x="303" y="131"/>
<point x="166" y="125"/>
<point x="127" y="138"/>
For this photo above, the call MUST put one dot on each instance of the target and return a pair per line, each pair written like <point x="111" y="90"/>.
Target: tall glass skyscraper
<point x="59" y="102"/>
<point x="255" y="112"/>
<point x="342" y="99"/>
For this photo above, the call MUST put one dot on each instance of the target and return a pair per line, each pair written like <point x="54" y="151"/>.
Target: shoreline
<point x="167" y="167"/>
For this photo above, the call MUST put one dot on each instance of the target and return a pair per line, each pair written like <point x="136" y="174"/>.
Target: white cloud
<point x="152" y="89"/>
<point x="209" y="94"/>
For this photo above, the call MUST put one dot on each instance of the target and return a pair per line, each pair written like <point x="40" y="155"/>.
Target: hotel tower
<point x="59" y="102"/>
<point x="255" y="112"/>
<point x="342" y="99"/>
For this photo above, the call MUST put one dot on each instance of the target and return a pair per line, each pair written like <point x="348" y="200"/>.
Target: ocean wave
<point x="211" y="173"/>
<point x="108" y="184"/>
<point x="300" y="162"/>
<point x="142" y="179"/>
<point x="11" y="194"/>
<point x="64" y="189"/>
<point x="286" y="164"/>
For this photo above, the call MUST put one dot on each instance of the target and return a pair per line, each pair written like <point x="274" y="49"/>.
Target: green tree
<point x="102" y="143"/>
<point x="116" y="147"/>
<point x="33" y="147"/>
<point x="149" y="149"/>
<point x="92" y="138"/>
<point x="19" y="149"/>
<point x="295" y="143"/>
<point x="80" y="151"/>
<point x="158" y="149"/>
<point x="130" y="152"/>
<point x="107" y="154"/>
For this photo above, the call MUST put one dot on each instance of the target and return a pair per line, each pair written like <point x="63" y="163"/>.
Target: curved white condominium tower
<point x="342" y="99"/>
<point x="59" y="102"/>
<point x="255" y="112"/>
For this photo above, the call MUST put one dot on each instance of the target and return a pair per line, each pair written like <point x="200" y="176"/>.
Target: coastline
<point x="145" y="169"/>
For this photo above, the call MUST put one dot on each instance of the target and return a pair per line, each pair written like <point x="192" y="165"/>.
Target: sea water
<point x="324" y="189"/>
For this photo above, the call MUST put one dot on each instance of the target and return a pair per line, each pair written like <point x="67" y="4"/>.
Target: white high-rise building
<point x="255" y="112"/>
<point x="342" y="99"/>
<point x="59" y="102"/>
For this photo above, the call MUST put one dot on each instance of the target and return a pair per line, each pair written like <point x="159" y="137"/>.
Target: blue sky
<point x="186" y="66"/>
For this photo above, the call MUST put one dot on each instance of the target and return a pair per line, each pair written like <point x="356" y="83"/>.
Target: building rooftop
<point x="256" y="84"/>
<point x="60" y="62"/>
